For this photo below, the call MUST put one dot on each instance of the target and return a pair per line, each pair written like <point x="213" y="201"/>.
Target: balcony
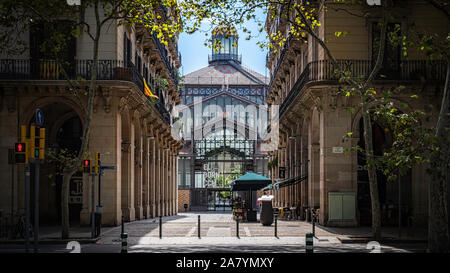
<point x="323" y="70"/>
<point x="51" y="70"/>
<point x="224" y="57"/>
<point x="163" y="52"/>
<point x="281" y="58"/>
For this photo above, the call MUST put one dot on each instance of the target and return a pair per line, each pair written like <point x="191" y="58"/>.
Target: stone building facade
<point x="314" y="118"/>
<point x="129" y="130"/>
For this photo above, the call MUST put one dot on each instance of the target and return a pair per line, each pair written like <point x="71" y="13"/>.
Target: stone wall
<point x="183" y="198"/>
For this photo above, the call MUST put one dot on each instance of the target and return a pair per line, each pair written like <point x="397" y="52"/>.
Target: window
<point x="391" y="60"/>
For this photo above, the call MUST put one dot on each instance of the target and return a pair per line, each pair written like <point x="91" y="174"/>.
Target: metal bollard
<point x="309" y="243"/>
<point x="124" y="237"/>
<point x="314" y="224"/>
<point x="237" y="227"/>
<point x="276" y="226"/>
<point x="160" y="227"/>
<point x="199" y="227"/>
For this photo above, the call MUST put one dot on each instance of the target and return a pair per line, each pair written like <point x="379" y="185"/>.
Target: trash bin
<point x="266" y="217"/>
<point x="251" y="215"/>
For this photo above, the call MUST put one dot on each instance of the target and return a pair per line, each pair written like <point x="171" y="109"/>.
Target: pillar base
<point x="153" y="210"/>
<point x="139" y="212"/>
<point x="146" y="212"/>
<point x="129" y="214"/>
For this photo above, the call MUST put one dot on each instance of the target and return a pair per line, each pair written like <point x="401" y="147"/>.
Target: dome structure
<point x="228" y="51"/>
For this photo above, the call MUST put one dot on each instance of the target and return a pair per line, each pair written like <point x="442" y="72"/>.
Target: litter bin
<point x="266" y="217"/>
<point x="251" y="215"/>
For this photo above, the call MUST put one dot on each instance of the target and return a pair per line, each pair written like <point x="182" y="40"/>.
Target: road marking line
<point x="191" y="232"/>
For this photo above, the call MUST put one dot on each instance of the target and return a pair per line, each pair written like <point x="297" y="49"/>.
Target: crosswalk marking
<point x="247" y="232"/>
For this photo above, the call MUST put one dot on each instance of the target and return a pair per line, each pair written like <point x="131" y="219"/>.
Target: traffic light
<point x="32" y="143"/>
<point x="87" y="166"/>
<point x="39" y="143"/>
<point x="97" y="163"/>
<point x="20" y="150"/>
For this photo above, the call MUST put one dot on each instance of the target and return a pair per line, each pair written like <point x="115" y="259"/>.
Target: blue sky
<point x="194" y="54"/>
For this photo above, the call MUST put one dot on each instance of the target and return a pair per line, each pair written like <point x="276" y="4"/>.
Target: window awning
<point x="286" y="182"/>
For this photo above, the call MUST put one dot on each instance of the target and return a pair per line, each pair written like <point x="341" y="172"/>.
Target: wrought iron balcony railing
<point x="224" y="56"/>
<point x="324" y="70"/>
<point x="11" y="69"/>
<point x="163" y="52"/>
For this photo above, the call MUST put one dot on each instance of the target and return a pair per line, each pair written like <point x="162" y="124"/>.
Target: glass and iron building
<point x="222" y="122"/>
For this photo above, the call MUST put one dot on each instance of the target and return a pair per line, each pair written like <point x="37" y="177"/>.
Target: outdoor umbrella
<point x="250" y="181"/>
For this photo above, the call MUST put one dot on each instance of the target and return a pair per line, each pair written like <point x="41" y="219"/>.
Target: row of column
<point x="159" y="190"/>
<point x="290" y="158"/>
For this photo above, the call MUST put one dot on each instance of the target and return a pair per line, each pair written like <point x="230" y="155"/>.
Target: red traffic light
<point x="19" y="147"/>
<point x="86" y="163"/>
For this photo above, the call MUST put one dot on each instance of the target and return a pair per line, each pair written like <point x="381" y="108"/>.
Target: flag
<point x="147" y="91"/>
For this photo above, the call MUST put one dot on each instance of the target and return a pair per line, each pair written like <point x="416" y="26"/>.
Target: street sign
<point x="108" y="167"/>
<point x="338" y="150"/>
<point x="39" y="117"/>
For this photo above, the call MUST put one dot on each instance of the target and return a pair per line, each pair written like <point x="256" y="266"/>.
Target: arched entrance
<point x="388" y="192"/>
<point x="64" y="129"/>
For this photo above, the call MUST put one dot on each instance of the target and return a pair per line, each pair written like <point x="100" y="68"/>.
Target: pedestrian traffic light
<point x="87" y="166"/>
<point x="20" y="150"/>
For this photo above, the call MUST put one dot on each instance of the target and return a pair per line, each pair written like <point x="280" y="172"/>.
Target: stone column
<point x="169" y="184"/>
<point x="152" y="177"/>
<point x="147" y="179"/>
<point x="314" y="178"/>
<point x="138" y="179"/>
<point x="175" y="190"/>
<point x="127" y="182"/>
<point x="157" y="175"/>
<point x="163" y="181"/>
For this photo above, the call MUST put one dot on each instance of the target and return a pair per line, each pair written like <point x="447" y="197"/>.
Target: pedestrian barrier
<point x="309" y="243"/>
<point x="199" y="227"/>
<point x="276" y="226"/>
<point x="160" y="227"/>
<point x="124" y="238"/>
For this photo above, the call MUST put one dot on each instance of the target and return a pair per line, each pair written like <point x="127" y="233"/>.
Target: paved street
<point x="218" y="234"/>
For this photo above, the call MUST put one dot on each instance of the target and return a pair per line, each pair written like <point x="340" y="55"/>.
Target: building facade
<point x="225" y="102"/>
<point x="132" y="132"/>
<point x="314" y="118"/>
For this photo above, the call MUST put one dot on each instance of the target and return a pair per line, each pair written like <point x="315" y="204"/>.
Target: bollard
<point x="160" y="227"/>
<point x="276" y="226"/>
<point x="314" y="224"/>
<point x="124" y="237"/>
<point x="199" y="227"/>
<point x="309" y="243"/>
<point x="237" y="227"/>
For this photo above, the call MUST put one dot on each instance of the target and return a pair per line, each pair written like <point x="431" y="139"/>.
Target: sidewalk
<point x="52" y="235"/>
<point x="219" y="228"/>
